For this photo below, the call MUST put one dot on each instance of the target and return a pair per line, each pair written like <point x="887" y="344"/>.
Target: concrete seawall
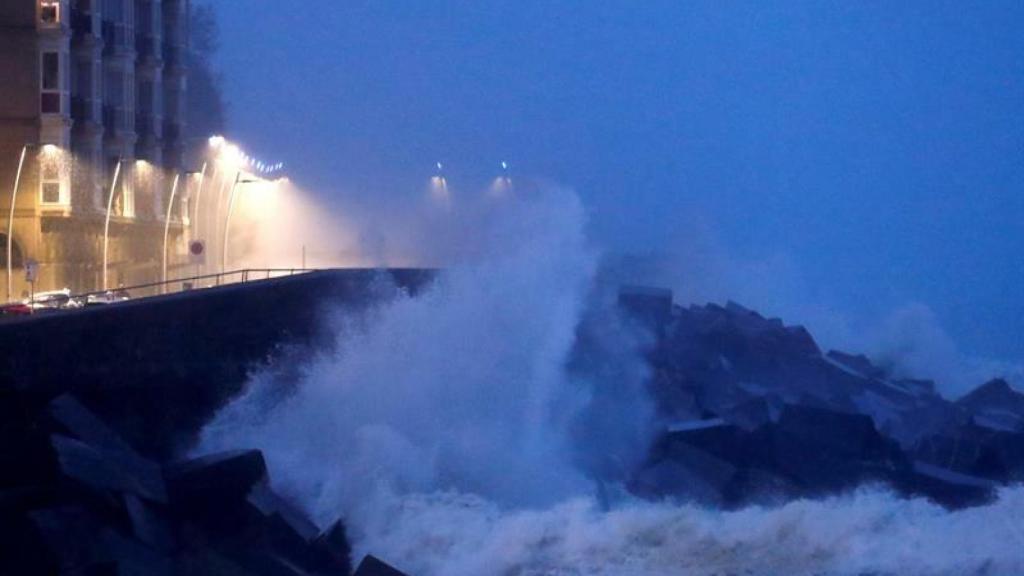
<point x="157" y="368"/>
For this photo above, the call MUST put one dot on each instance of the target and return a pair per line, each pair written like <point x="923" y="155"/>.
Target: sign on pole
<point x="31" y="270"/>
<point x="197" y="252"/>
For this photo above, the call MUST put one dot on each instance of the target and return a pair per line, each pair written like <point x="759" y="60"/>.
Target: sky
<point x="874" y="149"/>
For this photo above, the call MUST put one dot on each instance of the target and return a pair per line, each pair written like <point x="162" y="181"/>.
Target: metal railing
<point x="176" y="285"/>
<point x="196" y="282"/>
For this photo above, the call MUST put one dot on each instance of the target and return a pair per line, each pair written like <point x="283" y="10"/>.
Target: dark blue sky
<point x="879" y="146"/>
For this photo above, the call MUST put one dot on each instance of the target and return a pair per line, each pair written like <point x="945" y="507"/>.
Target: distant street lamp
<point x="227" y="219"/>
<point x="10" y="217"/>
<point x="106" y="224"/>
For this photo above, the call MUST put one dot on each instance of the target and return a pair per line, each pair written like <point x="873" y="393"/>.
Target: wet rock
<point x="149" y="524"/>
<point x="77" y="541"/>
<point x="77" y="421"/>
<point x="826" y="451"/>
<point x="372" y="566"/>
<point x="858" y="363"/>
<point x="108" y="470"/>
<point x="976" y="450"/>
<point x="652" y="307"/>
<point x="333" y="548"/>
<point x="995" y="405"/>
<point x="215" y="478"/>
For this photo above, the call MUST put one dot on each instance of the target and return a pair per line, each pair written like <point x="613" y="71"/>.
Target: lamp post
<point x="227" y="219"/>
<point x="106" y="224"/>
<point x="167" y="230"/>
<point x="10" y="217"/>
<point x="167" y="222"/>
<point x="199" y="193"/>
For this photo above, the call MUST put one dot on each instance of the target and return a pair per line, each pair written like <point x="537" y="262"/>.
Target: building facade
<point x="93" y="92"/>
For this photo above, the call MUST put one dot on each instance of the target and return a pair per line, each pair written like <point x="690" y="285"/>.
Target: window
<point x="51" y="192"/>
<point x="49" y="12"/>
<point x="51" y="80"/>
<point x="51" y="189"/>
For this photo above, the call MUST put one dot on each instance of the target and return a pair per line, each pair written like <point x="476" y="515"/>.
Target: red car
<point x="15" y="309"/>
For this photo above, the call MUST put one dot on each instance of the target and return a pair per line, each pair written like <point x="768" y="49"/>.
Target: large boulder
<point x="77" y="499"/>
<point x="373" y="566"/>
<point x="995" y="405"/>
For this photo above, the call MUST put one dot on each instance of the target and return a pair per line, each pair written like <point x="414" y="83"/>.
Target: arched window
<point x="16" y="256"/>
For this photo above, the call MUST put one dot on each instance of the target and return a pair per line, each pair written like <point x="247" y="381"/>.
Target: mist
<point x="904" y="336"/>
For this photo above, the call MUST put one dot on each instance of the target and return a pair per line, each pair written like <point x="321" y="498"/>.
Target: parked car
<point x="52" y="300"/>
<point x="108" y="297"/>
<point x="15" y="309"/>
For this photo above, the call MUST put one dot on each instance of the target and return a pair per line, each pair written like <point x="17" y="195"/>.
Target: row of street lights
<point x="227" y="157"/>
<point x="439" y="183"/>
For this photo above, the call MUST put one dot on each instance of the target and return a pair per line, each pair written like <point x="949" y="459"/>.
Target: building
<point x="95" y="89"/>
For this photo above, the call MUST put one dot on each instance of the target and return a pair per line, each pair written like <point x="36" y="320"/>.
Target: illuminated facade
<point x="89" y="85"/>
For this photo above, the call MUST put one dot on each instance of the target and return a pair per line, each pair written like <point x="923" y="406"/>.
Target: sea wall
<point x="156" y="368"/>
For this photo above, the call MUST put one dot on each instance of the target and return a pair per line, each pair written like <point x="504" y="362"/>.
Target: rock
<point x="859" y="363"/>
<point x="825" y="451"/>
<point x="215" y="478"/>
<point x="270" y="504"/>
<point x="371" y="566"/>
<point x="333" y="547"/>
<point x="149" y="524"/>
<point x="995" y="405"/>
<point x="78" y="422"/>
<point x="108" y="470"/>
<point x="696" y="461"/>
<point x="948" y="488"/>
<point x="77" y="541"/>
<point x="651" y="307"/>
<point x="977" y="451"/>
<point x="749" y="415"/>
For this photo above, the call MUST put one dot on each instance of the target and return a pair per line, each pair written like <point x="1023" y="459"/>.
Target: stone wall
<point x="157" y="368"/>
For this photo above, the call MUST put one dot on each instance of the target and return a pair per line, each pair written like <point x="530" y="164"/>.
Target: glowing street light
<point x="106" y="224"/>
<point x="439" y="185"/>
<point x="227" y="219"/>
<point x="10" y="217"/>
<point x="503" y="183"/>
<point x="167" y="222"/>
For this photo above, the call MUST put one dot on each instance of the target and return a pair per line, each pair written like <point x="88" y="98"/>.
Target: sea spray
<point x="462" y="388"/>
<point x="453" y="434"/>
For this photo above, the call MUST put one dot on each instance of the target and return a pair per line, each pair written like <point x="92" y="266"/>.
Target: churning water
<point x="449" y="434"/>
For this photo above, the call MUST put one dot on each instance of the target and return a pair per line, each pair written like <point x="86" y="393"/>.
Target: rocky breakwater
<point x="753" y="411"/>
<point x="75" y="498"/>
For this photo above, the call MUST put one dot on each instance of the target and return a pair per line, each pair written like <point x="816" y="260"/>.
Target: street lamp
<point x="199" y="193"/>
<point x="10" y="217"/>
<point x="106" y="224"/>
<point x="227" y="219"/>
<point x="167" y="222"/>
